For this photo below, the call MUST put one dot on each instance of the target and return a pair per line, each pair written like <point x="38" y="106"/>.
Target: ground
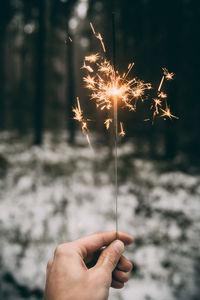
<point x="56" y="193"/>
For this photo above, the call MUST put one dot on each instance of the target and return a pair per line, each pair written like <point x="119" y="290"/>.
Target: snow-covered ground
<point x="58" y="193"/>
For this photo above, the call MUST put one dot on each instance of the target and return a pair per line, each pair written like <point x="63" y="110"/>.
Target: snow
<point x="56" y="193"/>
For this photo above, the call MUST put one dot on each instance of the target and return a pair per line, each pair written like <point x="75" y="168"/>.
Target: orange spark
<point x="91" y="25"/>
<point x="162" y="95"/>
<point x="122" y="132"/>
<point x="167" y="113"/>
<point x="92" y="58"/>
<point x="106" y="84"/>
<point x="98" y="36"/>
<point x="87" y="67"/>
<point x="109" y="89"/>
<point x="78" y="115"/>
<point x="90" y="82"/>
<point x="161" y="83"/>
<point x="168" y="76"/>
<point x="107" y="123"/>
<point x="78" y="112"/>
<point x="157" y="102"/>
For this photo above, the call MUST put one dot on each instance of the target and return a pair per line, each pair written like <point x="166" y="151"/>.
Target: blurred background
<point x="53" y="188"/>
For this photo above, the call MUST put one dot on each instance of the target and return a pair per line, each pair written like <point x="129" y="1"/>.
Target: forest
<point x="40" y="74"/>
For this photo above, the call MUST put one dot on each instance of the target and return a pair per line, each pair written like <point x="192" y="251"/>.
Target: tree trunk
<point x="70" y="93"/>
<point x="40" y="75"/>
<point x="2" y="77"/>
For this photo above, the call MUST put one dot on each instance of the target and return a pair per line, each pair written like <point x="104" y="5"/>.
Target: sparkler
<point x="112" y="91"/>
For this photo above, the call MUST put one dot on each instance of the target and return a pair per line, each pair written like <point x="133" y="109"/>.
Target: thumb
<point x="110" y="256"/>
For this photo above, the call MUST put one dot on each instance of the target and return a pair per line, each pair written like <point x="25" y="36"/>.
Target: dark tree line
<point x="40" y="73"/>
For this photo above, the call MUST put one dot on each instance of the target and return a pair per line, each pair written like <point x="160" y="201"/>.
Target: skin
<point x="86" y="268"/>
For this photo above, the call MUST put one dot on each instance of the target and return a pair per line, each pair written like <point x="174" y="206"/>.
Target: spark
<point x="107" y="123"/>
<point x="98" y="36"/>
<point x="92" y="58"/>
<point x="89" y="68"/>
<point x="167" y="113"/>
<point x="161" y="83"/>
<point x="157" y="103"/>
<point x="106" y="84"/>
<point x="78" y="112"/>
<point x="130" y="66"/>
<point x="90" y="82"/>
<point x="168" y="76"/>
<point x="93" y="30"/>
<point x="162" y="95"/>
<point x="109" y="89"/>
<point x="122" y="132"/>
<point x="78" y="115"/>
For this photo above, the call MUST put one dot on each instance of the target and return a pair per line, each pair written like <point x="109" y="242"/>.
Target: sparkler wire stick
<point x="115" y="124"/>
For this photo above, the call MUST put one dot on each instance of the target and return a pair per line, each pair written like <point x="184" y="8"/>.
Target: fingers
<point x="110" y="256"/>
<point x="96" y="241"/>
<point x="124" y="264"/>
<point x="120" y="276"/>
<point x="117" y="284"/>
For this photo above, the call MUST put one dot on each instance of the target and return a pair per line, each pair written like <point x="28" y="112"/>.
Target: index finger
<point x="93" y="242"/>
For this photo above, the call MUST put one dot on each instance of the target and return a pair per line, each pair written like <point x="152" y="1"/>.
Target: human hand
<point x="85" y="269"/>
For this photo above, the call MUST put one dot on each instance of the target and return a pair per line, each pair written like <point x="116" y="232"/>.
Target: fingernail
<point x="118" y="246"/>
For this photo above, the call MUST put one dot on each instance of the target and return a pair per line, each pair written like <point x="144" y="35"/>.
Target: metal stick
<point x="115" y="126"/>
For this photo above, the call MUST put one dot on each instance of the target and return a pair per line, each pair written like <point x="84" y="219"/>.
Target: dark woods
<point x="40" y="74"/>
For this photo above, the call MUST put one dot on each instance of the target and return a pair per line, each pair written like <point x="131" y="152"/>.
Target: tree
<point x="40" y="74"/>
<point x="6" y="13"/>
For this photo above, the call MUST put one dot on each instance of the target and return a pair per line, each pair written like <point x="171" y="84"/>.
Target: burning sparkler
<point x="110" y="91"/>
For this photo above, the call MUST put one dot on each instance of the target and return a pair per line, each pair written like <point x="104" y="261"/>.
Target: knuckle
<point x="59" y="251"/>
<point x="66" y="249"/>
<point x="130" y="266"/>
<point x="124" y="277"/>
